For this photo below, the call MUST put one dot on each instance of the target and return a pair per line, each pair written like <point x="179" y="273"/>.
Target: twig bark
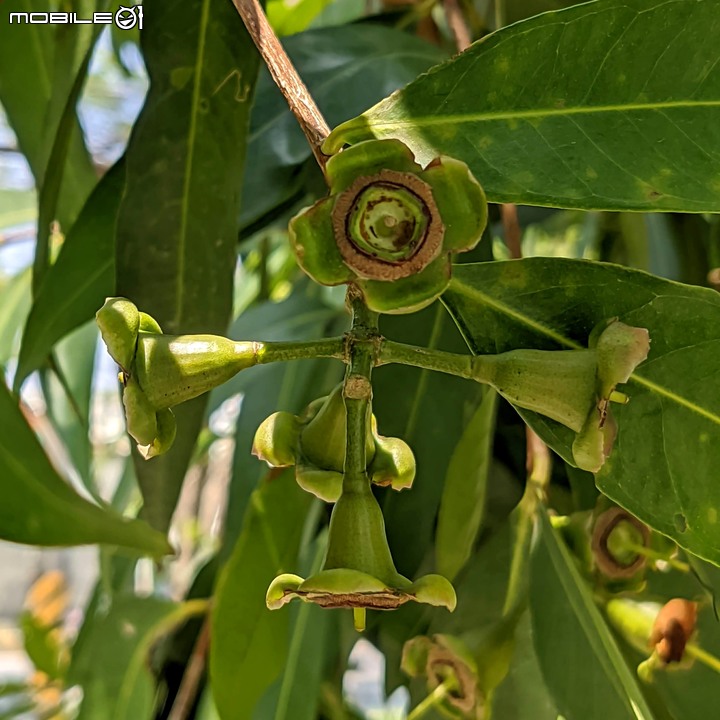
<point x="190" y="683"/>
<point x="457" y="24"/>
<point x="285" y="76"/>
<point x="511" y="229"/>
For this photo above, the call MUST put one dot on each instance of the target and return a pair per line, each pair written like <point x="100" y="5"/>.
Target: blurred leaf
<point x="77" y="284"/>
<point x="45" y="605"/>
<point x="288" y="17"/>
<point x="54" y="177"/>
<point x="67" y="391"/>
<point x="429" y="411"/>
<point x="177" y="224"/>
<point x="119" y="641"/>
<point x="34" y="94"/>
<point x="249" y="643"/>
<point x="346" y="69"/>
<point x="582" y="665"/>
<point x="296" y="694"/>
<point x="39" y="508"/>
<point x="674" y="406"/>
<point x="15" y="298"/>
<point x="553" y="112"/>
<point x="523" y="693"/>
<point x="463" y="500"/>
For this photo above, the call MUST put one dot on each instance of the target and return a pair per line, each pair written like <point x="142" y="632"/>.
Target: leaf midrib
<point x="542" y="113"/>
<point x="187" y="179"/>
<point x="572" y="345"/>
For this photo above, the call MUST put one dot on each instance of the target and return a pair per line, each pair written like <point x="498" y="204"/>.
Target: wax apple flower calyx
<point x="390" y="226"/>
<point x="159" y="371"/>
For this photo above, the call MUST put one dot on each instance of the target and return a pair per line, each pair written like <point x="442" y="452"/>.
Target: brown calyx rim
<point x="605" y="560"/>
<point x="464" y="696"/>
<point x="381" y="600"/>
<point x="374" y="268"/>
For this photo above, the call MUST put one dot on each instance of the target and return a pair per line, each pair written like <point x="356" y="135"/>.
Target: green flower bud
<point x="315" y="441"/>
<point x="160" y="371"/>
<point x="359" y="571"/>
<point x="276" y="439"/>
<point x="389" y="226"/>
<point x="573" y="387"/>
<point x="393" y="464"/>
<point x="323" y="439"/>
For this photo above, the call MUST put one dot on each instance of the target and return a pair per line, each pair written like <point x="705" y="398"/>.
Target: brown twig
<point x="188" y="690"/>
<point x="457" y="24"/>
<point x="511" y="229"/>
<point x="285" y="76"/>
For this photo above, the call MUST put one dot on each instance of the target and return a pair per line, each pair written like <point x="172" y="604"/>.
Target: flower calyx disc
<point x="390" y="226"/>
<point x="359" y="571"/>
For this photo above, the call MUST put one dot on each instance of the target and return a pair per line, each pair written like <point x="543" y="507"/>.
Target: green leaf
<point x="463" y="500"/>
<point x="429" y="411"/>
<point x="15" y="298"/>
<point x="83" y="275"/>
<point x="113" y="664"/>
<point x="249" y="642"/>
<point x="39" y="508"/>
<point x="298" y="690"/>
<point x="177" y="224"/>
<point x="345" y="69"/>
<point x="288" y="17"/>
<point x="674" y="406"/>
<point x="34" y="95"/>
<point x="54" y="177"/>
<point x="67" y="390"/>
<point x="611" y="104"/>
<point x="583" y="667"/>
<point x="523" y="693"/>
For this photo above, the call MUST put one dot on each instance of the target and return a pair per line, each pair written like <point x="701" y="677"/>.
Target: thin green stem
<point x="703" y="656"/>
<point x="432" y="700"/>
<point x="472" y="367"/>
<point x="283" y="351"/>
<point x="361" y="345"/>
<point x="654" y="555"/>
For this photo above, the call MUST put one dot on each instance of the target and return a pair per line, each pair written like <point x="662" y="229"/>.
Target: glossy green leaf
<point x="463" y="500"/>
<point x="611" y="104"/>
<point x="177" y="224"/>
<point x="581" y="662"/>
<point x="674" y="406"/>
<point x="429" y="411"/>
<point x="40" y="508"/>
<point x="83" y="275"/>
<point x="34" y="95"/>
<point x="249" y="642"/>
<point x="346" y="69"/>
